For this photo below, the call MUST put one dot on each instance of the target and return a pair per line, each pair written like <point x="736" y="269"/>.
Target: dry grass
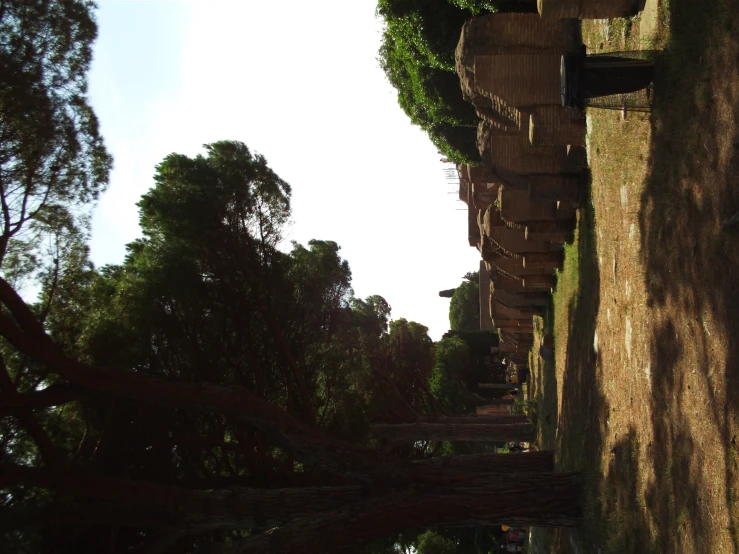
<point x="644" y="387"/>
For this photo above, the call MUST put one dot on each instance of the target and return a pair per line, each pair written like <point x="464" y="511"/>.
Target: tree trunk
<point x="309" y="445"/>
<point x="516" y="462"/>
<point x="55" y="395"/>
<point x="120" y="500"/>
<point x="522" y="499"/>
<point x="498" y="402"/>
<point x="502" y="418"/>
<point x="485" y="405"/>
<point x="498" y="385"/>
<point x="411" y="432"/>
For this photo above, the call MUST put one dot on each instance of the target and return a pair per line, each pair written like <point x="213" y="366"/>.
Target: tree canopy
<point x="464" y="308"/>
<point x="417" y="56"/>
<point x="211" y="368"/>
<point x="52" y="157"/>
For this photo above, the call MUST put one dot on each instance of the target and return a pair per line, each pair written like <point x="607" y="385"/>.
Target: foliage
<point x="429" y="28"/>
<point x="464" y="308"/>
<point x="433" y="543"/>
<point x="207" y="296"/>
<point x="209" y="368"/>
<point x="52" y="156"/>
<point x="478" y="7"/>
<point x="451" y="357"/>
<point x="472" y="276"/>
<point x="417" y="55"/>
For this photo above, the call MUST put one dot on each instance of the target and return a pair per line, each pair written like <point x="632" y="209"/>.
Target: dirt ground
<point x="642" y="397"/>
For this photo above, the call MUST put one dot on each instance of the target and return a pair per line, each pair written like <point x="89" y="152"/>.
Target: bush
<point x="417" y="55"/>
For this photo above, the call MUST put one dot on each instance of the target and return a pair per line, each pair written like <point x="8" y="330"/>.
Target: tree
<point x="417" y="55"/>
<point x="482" y="6"/>
<point x="390" y="508"/>
<point x="454" y="431"/>
<point x="213" y="387"/>
<point x="464" y="308"/>
<point x="51" y="154"/>
<point x="433" y="543"/>
<point x="451" y="356"/>
<point x="421" y="68"/>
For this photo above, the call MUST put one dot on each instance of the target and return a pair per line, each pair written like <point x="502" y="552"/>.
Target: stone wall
<point x="533" y="158"/>
<point x="586" y="9"/>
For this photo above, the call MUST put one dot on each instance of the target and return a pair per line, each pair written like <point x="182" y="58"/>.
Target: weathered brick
<point x="486" y="321"/>
<point x="555" y="125"/>
<point x="520" y="79"/>
<point x="586" y="9"/>
<point x="516" y="205"/>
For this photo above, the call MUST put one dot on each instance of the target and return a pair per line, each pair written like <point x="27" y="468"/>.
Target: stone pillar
<point x="550" y="260"/>
<point x="514" y="153"/>
<point x="520" y="79"/>
<point x="555" y="231"/>
<point x="554" y="187"/>
<point x="513" y="266"/>
<point x="539" y="282"/>
<point x="556" y="126"/>
<point x="516" y="205"/>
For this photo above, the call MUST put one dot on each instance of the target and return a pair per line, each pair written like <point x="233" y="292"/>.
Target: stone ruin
<point x="522" y="200"/>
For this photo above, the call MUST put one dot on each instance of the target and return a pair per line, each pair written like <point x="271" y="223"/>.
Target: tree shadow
<point x="616" y="507"/>
<point x="583" y="406"/>
<point x="548" y="403"/>
<point x="692" y="261"/>
<point x="580" y="399"/>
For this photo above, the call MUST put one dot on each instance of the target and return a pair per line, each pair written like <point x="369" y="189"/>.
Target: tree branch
<point x="49" y="453"/>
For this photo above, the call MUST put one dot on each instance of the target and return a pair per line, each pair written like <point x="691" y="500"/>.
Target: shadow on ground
<point x="691" y="258"/>
<point x="580" y="397"/>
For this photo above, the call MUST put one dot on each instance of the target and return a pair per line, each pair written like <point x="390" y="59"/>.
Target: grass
<point x="642" y="395"/>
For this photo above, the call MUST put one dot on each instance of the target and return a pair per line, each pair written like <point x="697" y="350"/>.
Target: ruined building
<point x="522" y="200"/>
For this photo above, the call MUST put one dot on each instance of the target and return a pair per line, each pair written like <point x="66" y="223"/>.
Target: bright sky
<point x="299" y="83"/>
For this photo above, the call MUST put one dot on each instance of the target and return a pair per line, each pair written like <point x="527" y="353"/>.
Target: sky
<point x="299" y="83"/>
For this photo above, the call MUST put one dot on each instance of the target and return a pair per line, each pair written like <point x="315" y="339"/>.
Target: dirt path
<point x="647" y="353"/>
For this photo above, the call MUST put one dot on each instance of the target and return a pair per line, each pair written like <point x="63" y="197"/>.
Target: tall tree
<point x="464" y="308"/>
<point x="176" y="401"/>
<point x="51" y="151"/>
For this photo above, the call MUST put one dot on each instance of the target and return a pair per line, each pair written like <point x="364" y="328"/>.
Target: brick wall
<point x="513" y="266"/>
<point x="515" y="241"/>
<point x="489" y="33"/>
<point x="520" y="79"/>
<point x="585" y="9"/>
<point x="486" y="322"/>
<point x="555" y="125"/>
<point x="517" y="206"/>
<point x="554" y="187"/>
<point x="473" y="229"/>
<point x="514" y="153"/>
<point x="484" y="194"/>
<point x="513" y="299"/>
<point x="480" y="174"/>
<point x="499" y="311"/>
